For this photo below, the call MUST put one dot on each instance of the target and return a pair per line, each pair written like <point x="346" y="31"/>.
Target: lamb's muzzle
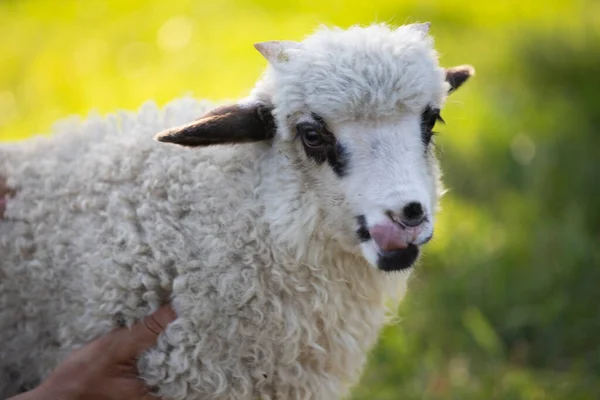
<point x="397" y="245"/>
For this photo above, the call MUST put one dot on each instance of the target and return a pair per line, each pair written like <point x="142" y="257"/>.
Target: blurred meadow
<point x="505" y="304"/>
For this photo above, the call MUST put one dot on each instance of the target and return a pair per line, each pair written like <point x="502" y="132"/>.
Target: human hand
<point x="106" y="368"/>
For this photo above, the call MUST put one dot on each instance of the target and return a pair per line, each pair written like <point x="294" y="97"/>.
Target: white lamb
<point x="279" y="255"/>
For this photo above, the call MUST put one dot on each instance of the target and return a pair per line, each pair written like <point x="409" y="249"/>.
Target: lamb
<point x="281" y="227"/>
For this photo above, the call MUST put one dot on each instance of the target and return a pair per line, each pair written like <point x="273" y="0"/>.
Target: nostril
<point x="413" y="214"/>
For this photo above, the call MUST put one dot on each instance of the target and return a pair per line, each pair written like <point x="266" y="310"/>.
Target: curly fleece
<point x="107" y="225"/>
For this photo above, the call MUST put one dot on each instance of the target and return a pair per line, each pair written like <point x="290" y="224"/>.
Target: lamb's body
<point x="276" y="255"/>
<point x="108" y="224"/>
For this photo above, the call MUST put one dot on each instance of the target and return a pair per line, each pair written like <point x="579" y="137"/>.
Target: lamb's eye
<point x="311" y="135"/>
<point x="312" y="138"/>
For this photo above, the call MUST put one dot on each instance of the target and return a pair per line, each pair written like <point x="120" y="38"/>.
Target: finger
<point x="129" y="388"/>
<point x="144" y="334"/>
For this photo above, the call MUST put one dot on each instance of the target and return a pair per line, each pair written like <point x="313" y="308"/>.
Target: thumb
<point x="144" y="334"/>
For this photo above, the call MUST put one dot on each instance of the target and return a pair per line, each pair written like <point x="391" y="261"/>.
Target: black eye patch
<point x="338" y="160"/>
<point x="428" y="119"/>
<point x="321" y="145"/>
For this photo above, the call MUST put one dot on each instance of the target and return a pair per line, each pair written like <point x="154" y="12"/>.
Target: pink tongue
<point x="389" y="236"/>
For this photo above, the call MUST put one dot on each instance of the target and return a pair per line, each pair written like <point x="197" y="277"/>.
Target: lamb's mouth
<point x="399" y="259"/>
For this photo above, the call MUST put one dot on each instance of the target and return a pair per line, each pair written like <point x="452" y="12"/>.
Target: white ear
<point x="276" y="51"/>
<point x="422" y="27"/>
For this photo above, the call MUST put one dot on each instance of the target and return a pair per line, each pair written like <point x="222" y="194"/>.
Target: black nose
<point x="413" y="214"/>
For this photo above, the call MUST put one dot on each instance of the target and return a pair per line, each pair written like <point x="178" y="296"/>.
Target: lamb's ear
<point x="227" y="124"/>
<point x="421" y="26"/>
<point x="277" y="52"/>
<point x="456" y="76"/>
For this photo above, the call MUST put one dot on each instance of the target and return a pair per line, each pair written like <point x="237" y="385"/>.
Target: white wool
<point x="254" y="244"/>
<point x="361" y="72"/>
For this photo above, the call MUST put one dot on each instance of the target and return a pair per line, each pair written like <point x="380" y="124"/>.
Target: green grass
<point x="505" y="302"/>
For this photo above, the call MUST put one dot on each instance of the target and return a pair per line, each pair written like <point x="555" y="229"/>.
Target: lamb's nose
<point x="413" y="214"/>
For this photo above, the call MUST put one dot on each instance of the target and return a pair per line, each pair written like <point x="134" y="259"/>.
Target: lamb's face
<point x="354" y="110"/>
<point x="379" y="178"/>
<point x="359" y="107"/>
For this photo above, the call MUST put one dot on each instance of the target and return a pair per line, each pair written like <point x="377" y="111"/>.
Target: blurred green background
<point x="505" y="303"/>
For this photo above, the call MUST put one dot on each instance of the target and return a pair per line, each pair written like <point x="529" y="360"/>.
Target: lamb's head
<point x="354" y="111"/>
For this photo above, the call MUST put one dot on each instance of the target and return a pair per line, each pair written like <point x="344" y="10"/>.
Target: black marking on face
<point x="428" y="119"/>
<point x="397" y="260"/>
<point x="362" y="232"/>
<point x="321" y="145"/>
<point x="337" y="157"/>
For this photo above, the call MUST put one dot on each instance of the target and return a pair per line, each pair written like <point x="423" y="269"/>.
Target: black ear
<point x="224" y="125"/>
<point x="456" y="76"/>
